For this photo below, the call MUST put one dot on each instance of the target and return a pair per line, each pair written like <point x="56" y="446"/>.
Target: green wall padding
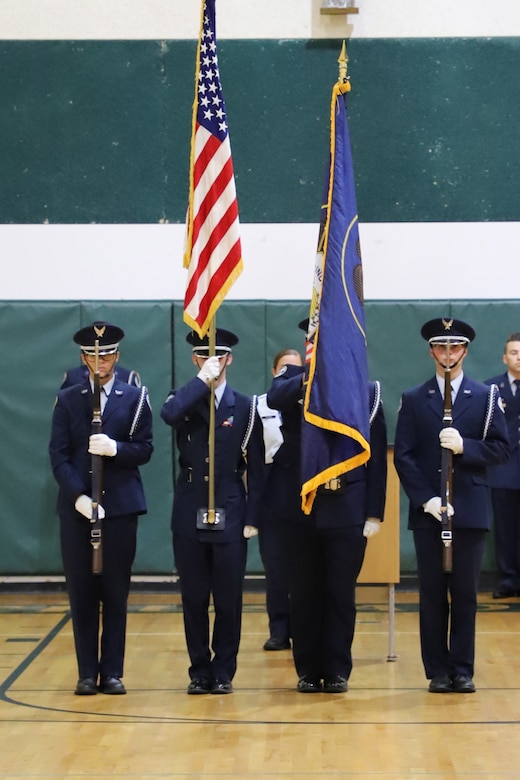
<point x="37" y="348"/>
<point x="99" y="131"/>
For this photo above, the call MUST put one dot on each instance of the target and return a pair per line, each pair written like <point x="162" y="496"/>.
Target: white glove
<point x="372" y="527"/>
<point x="210" y="369"/>
<point x="433" y="507"/>
<point x="101" y="444"/>
<point x="451" y="439"/>
<point x="249" y="531"/>
<point x="83" y="505"/>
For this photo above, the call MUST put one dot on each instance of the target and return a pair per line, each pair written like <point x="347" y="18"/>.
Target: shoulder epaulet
<point x="139" y="409"/>
<point x="134" y="378"/>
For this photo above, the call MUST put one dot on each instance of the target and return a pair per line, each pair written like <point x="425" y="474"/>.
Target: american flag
<point x="213" y="253"/>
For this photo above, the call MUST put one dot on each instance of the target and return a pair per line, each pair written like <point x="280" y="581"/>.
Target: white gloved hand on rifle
<point x="101" y="444"/>
<point x="250" y="531"/>
<point x="433" y="507"/>
<point x="451" y="439"/>
<point x="83" y="505"/>
<point x="372" y="527"/>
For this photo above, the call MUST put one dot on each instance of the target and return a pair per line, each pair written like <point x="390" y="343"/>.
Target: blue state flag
<point x="336" y="428"/>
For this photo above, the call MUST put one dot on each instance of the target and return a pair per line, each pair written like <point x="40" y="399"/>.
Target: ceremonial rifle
<point x="97" y="474"/>
<point x="446" y="471"/>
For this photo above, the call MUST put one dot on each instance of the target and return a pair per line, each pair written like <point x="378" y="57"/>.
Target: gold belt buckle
<point x="333" y="484"/>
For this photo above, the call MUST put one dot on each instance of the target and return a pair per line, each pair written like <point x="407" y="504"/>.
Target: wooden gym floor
<point x="387" y="727"/>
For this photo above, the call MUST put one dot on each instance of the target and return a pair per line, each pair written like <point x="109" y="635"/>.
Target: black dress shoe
<point x="278" y="643"/>
<point x="86" y="687"/>
<point x="441" y="683"/>
<point x="462" y="683"/>
<point x="221" y="686"/>
<point x="112" y="685"/>
<point x="200" y="685"/>
<point x="309" y="684"/>
<point x="335" y="684"/>
<point x="504" y="593"/>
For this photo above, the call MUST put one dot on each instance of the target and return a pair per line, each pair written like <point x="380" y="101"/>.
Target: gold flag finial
<point x="343" y="60"/>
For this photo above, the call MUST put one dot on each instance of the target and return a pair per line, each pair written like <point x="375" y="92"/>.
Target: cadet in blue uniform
<point x="125" y="444"/>
<point x="478" y="439"/>
<point x="211" y="558"/>
<point x="326" y="548"/>
<point x="505" y="479"/>
<point x="78" y="374"/>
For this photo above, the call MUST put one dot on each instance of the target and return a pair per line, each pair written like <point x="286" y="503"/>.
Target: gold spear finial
<point x="343" y="60"/>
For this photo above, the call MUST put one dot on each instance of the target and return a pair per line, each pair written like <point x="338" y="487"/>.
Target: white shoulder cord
<point x="250" y="424"/>
<point x="493" y="391"/>
<point x="377" y="401"/>
<point x="140" y="404"/>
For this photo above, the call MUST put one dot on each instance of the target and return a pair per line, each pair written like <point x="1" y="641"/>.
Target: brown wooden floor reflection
<point x="386" y="726"/>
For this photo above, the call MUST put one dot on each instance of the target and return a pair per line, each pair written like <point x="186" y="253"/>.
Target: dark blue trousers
<point x="448" y="602"/>
<point x="206" y="570"/>
<point x="324" y="565"/>
<point x="89" y="593"/>
<point x="272" y="542"/>
<point x="506" y="518"/>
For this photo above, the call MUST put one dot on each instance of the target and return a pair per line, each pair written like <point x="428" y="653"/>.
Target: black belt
<point x="186" y="475"/>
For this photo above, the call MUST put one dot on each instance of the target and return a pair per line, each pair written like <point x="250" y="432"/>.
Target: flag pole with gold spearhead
<point x="211" y="434"/>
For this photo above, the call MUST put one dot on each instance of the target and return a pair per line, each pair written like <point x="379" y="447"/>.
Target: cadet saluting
<point x="325" y="550"/>
<point x="211" y="559"/>
<point x="477" y="438"/>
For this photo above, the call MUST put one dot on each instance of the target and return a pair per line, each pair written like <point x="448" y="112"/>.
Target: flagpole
<point x="211" y="433"/>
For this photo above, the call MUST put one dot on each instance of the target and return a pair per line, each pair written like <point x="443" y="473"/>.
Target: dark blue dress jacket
<point x="71" y="463"/>
<point x="187" y="411"/>
<point x="365" y="491"/>
<point x="417" y="451"/>
<point x="508" y="474"/>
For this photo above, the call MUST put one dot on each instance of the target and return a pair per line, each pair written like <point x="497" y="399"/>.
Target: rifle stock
<point x="446" y="473"/>
<point x="96" y="534"/>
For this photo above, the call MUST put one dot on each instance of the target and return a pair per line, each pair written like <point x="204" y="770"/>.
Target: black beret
<point x="224" y="341"/>
<point x="446" y="329"/>
<point x="107" y="335"/>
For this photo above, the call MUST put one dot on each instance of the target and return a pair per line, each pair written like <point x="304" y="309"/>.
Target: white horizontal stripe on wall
<point x="174" y="19"/>
<point x="411" y="261"/>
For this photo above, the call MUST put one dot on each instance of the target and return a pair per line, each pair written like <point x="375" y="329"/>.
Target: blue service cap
<point x="107" y="335"/>
<point x="225" y="340"/>
<point x="446" y="330"/>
